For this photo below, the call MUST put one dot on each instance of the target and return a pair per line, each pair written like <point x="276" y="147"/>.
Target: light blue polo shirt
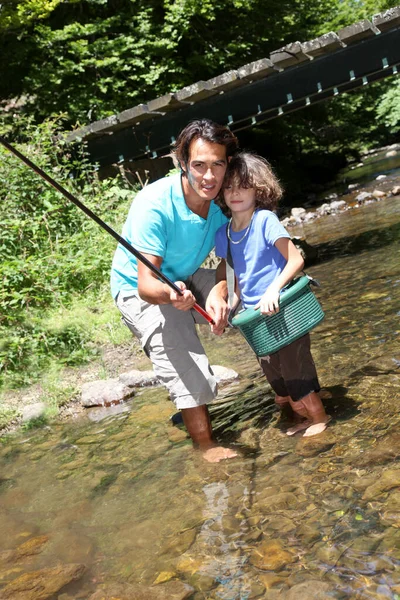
<point x="256" y="259"/>
<point x="160" y="223"/>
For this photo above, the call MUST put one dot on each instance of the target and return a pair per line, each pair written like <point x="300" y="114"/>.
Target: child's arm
<point x="220" y="281"/>
<point x="220" y="310"/>
<point x="269" y="301"/>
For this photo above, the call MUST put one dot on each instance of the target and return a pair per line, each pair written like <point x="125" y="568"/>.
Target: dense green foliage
<point x="49" y="250"/>
<point x="89" y="59"/>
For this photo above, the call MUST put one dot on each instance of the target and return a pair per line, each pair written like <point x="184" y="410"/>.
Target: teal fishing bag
<point x="299" y="312"/>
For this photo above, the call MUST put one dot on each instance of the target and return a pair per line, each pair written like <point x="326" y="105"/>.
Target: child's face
<point x="240" y="199"/>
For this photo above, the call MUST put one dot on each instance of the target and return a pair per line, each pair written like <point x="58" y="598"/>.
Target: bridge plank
<point x="195" y="92"/>
<point x="325" y="44"/>
<point x="288" y="56"/>
<point x="357" y="32"/>
<point x="388" y="19"/>
<point x="257" y="70"/>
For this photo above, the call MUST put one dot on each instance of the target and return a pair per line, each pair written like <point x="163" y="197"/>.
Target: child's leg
<point x="271" y="368"/>
<point x="301" y="380"/>
<point x="316" y="413"/>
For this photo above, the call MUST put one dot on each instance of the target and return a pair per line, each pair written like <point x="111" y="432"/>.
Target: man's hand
<point x="269" y="301"/>
<point x="184" y="302"/>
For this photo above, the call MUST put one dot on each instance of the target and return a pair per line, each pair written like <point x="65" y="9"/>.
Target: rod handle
<point x="204" y="314"/>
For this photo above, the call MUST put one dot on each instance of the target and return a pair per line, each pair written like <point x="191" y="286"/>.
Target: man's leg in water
<point x="170" y="340"/>
<point x="198" y="424"/>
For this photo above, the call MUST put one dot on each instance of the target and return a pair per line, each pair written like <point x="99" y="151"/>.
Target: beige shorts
<point x="170" y="340"/>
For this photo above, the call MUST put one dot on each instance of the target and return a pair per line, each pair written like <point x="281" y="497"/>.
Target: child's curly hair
<point x="248" y="170"/>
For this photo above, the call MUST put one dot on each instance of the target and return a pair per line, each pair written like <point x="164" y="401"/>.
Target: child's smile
<point x="242" y="202"/>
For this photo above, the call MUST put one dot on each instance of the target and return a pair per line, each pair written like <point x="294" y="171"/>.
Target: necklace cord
<point x="229" y="228"/>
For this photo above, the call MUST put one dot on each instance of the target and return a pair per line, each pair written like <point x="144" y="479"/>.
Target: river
<point x="123" y="508"/>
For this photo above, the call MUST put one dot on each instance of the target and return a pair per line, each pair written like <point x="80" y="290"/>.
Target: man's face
<point x="205" y="170"/>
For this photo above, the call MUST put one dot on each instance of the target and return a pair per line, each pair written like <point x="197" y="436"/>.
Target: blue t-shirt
<point x="160" y="223"/>
<point x="256" y="260"/>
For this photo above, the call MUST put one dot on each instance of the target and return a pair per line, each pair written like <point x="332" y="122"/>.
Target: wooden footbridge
<point x="292" y="78"/>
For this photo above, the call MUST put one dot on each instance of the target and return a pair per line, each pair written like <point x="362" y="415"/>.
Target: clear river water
<point x="124" y="509"/>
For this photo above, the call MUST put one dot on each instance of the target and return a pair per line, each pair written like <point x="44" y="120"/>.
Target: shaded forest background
<point x="65" y="64"/>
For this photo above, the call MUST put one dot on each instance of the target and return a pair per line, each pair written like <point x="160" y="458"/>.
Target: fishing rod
<point x="104" y="225"/>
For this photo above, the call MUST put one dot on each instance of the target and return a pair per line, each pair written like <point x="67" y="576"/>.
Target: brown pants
<point x="291" y="371"/>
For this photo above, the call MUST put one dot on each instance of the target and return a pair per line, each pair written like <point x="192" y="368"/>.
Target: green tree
<point x="90" y="59"/>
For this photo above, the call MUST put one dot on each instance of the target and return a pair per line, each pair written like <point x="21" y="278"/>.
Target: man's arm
<point x="154" y="291"/>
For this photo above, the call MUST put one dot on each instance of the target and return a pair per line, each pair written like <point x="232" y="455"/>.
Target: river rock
<point x="180" y="543"/>
<point x="396" y="190"/>
<point x="43" y="584"/>
<point x="378" y="194"/>
<point x="308" y="534"/>
<point x="171" y="590"/>
<point x="176" y="435"/>
<point x="337" y="205"/>
<point x="314" y="445"/>
<point x="385" y="449"/>
<point x="105" y="393"/>
<point x="353" y="186"/>
<point x="324" y="209"/>
<point x="271" y="556"/>
<point x="136" y="378"/>
<point x="287" y="221"/>
<point x="363" y="196"/>
<point x="387" y="481"/>
<point x="30" y="547"/>
<point x="298" y="213"/>
<point x="280" y="523"/>
<point x="380" y="177"/>
<point x="310" y="216"/>
<point x="281" y="501"/>
<point x="270" y="580"/>
<point x="391" y="153"/>
<point x="317" y="590"/>
<point x="223" y="375"/>
<point x="33" y="411"/>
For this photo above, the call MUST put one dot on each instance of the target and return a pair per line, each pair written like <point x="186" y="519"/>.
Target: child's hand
<point x="269" y="301"/>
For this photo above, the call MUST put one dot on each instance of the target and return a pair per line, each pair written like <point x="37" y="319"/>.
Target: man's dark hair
<point x="207" y="130"/>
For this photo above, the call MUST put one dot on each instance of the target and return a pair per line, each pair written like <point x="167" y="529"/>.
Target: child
<point x="265" y="260"/>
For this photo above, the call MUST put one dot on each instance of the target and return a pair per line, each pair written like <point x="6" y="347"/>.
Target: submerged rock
<point x="171" y="590"/>
<point x="387" y="481"/>
<point x="43" y="584"/>
<point x="312" y="446"/>
<point x="385" y="449"/>
<point x="317" y="590"/>
<point x="30" y="547"/>
<point x="271" y="556"/>
<point x="180" y="543"/>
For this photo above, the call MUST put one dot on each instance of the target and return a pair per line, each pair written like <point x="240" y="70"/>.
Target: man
<point x="173" y="223"/>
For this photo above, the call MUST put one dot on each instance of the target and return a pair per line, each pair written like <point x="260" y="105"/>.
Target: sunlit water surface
<point x="129" y="499"/>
